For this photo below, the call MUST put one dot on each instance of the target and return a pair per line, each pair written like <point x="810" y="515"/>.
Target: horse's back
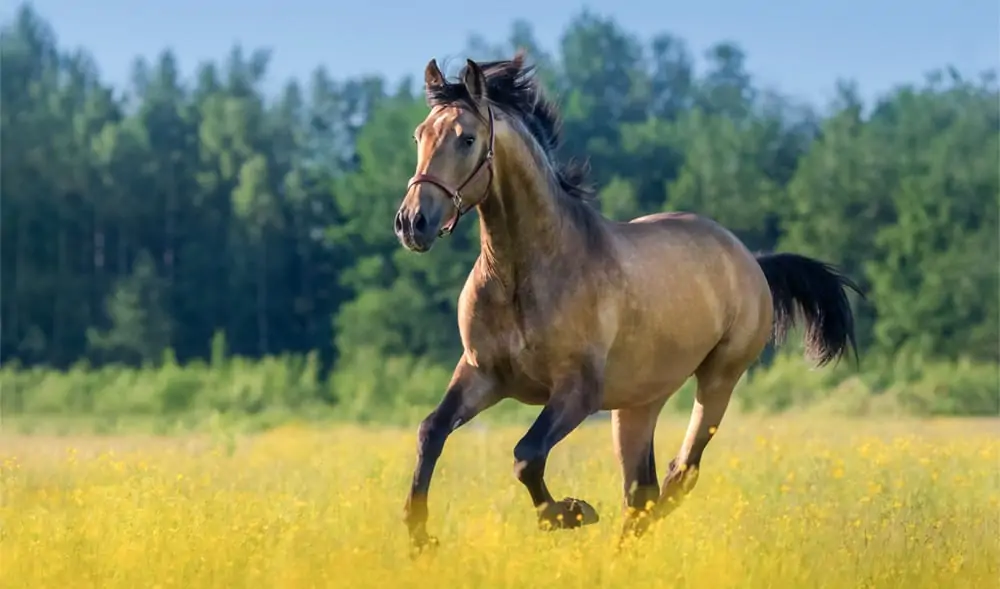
<point x="683" y="223"/>
<point x="687" y="242"/>
<point x="708" y="253"/>
<point x="697" y="239"/>
<point x="669" y="215"/>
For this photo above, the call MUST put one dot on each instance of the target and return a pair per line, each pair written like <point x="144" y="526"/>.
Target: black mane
<point x="511" y="86"/>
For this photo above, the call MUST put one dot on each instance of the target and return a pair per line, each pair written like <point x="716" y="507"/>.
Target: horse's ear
<point x="474" y="80"/>
<point x="519" y="56"/>
<point x="432" y="75"/>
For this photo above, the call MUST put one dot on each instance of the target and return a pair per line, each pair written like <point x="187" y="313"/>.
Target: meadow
<point x="798" y="502"/>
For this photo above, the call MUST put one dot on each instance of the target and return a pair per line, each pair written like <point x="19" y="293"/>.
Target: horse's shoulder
<point x="484" y="302"/>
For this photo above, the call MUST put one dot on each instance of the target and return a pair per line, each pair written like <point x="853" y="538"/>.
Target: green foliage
<point x="371" y="387"/>
<point x="139" y="327"/>
<point x="234" y="386"/>
<point x="196" y="246"/>
<point x="906" y="385"/>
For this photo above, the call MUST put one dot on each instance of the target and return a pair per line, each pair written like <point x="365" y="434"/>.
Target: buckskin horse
<point x="576" y="313"/>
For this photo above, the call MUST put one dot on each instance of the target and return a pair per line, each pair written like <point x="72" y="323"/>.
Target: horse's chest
<point x="525" y="345"/>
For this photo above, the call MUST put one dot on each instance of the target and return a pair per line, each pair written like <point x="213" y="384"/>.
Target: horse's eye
<point x="469" y="140"/>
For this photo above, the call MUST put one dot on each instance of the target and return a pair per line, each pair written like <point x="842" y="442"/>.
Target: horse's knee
<point x="529" y="462"/>
<point x="426" y="429"/>
<point x="530" y="455"/>
<point x="433" y="431"/>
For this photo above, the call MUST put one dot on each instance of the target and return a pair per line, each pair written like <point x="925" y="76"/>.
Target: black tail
<point x="820" y="293"/>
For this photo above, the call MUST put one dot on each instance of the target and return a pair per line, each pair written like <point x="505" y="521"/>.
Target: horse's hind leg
<point x="633" y="430"/>
<point x="715" y="388"/>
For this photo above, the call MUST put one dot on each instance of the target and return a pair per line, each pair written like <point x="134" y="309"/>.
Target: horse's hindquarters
<point x="689" y="286"/>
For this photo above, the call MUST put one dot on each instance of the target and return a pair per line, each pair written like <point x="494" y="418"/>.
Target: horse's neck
<point x="521" y="227"/>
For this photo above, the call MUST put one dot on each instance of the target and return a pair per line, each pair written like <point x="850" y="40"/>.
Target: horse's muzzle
<point x="414" y="231"/>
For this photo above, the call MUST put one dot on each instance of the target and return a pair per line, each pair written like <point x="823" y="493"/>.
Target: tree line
<point x="154" y="219"/>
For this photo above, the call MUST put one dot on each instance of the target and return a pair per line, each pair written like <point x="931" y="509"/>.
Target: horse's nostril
<point x="398" y="222"/>
<point x="419" y="223"/>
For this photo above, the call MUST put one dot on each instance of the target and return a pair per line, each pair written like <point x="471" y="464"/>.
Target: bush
<point x="907" y="384"/>
<point x="366" y="387"/>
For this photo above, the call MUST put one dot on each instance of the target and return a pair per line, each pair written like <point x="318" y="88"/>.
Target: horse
<point x="573" y="312"/>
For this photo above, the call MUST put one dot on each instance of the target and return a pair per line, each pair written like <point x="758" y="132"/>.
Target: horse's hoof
<point x="566" y="514"/>
<point x="422" y="544"/>
<point x="636" y="525"/>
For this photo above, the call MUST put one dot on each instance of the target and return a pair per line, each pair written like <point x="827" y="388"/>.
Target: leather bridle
<point x="485" y="162"/>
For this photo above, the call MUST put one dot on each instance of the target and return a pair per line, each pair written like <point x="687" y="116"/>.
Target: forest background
<point x="193" y="250"/>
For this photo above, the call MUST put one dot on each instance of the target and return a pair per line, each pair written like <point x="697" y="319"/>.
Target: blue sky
<point x="800" y="46"/>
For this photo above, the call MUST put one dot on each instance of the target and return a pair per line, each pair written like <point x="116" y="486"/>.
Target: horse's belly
<point x="529" y="393"/>
<point x="628" y="385"/>
<point x="647" y="364"/>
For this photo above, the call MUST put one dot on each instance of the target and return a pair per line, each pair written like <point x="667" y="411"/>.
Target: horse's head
<point x="454" y="159"/>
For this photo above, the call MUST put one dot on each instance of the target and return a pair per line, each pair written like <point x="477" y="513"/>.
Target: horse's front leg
<point x="570" y="403"/>
<point x="469" y="393"/>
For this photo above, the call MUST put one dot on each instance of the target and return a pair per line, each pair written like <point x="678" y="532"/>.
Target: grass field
<point x="781" y="503"/>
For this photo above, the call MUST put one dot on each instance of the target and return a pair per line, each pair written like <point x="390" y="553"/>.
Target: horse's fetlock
<point x="415" y="511"/>
<point x="524" y="470"/>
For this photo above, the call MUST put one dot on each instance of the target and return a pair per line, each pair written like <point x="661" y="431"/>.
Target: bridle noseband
<point x="485" y="162"/>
